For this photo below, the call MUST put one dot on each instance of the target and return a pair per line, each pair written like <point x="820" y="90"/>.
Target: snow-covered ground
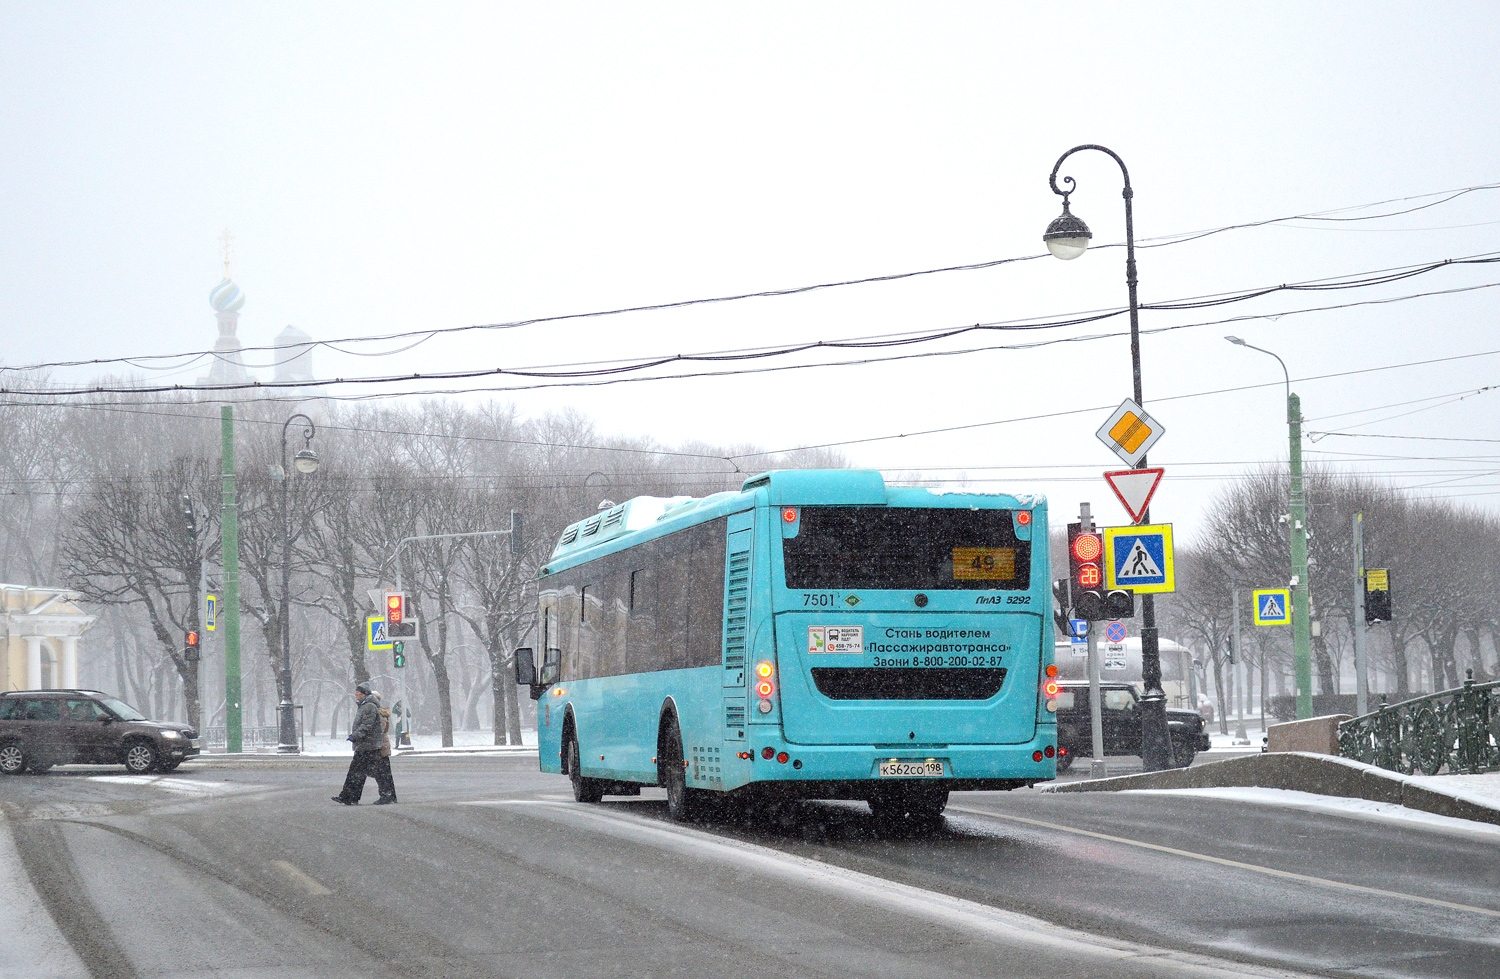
<point x="1358" y="808"/>
<point x="463" y="742"/>
<point x="1482" y="789"/>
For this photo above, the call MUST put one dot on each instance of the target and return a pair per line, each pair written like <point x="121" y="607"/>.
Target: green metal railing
<point x="1454" y="729"/>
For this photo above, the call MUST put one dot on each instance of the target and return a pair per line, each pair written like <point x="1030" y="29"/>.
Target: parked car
<point x="1121" y="715"/>
<point x="42" y="728"/>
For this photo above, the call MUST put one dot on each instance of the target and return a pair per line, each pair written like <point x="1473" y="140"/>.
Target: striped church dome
<point x="226" y="297"/>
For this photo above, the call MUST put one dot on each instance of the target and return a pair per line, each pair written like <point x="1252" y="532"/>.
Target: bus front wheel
<point x="683" y="804"/>
<point x="584" y="789"/>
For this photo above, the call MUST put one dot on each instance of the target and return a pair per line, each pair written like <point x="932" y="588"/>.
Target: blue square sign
<point x="1139" y="558"/>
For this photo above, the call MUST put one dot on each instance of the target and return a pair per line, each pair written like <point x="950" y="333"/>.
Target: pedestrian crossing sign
<point x="1139" y="558"/>
<point x="376" y="638"/>
<point x="1273" y="606"/>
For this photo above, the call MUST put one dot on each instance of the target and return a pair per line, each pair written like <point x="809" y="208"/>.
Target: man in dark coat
<point x="367" y="738"/>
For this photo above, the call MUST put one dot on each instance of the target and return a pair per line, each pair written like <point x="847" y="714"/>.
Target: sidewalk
<point x="464" y="743"/>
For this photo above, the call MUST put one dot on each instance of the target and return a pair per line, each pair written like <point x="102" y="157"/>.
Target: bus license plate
<point x="911" y="769"/>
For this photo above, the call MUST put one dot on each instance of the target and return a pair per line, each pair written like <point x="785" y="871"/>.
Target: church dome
<point x="226" y="297"/>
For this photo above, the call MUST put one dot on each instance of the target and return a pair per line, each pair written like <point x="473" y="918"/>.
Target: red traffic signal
<point x="192" y="639"/>
<point x="1086" y="546"/>
<point x="395" y="607"/>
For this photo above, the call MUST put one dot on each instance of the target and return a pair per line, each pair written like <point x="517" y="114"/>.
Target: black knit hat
<point x="365" y="688"/>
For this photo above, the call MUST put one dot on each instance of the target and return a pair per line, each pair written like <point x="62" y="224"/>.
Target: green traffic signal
<point x="400" y="651"/>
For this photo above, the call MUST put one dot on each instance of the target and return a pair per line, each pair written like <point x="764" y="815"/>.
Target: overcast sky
<point x="392" y="168"/>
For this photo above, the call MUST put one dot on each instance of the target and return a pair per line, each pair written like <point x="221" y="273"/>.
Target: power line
<point x="594" y="373"/>
<point x="426" y="334"/>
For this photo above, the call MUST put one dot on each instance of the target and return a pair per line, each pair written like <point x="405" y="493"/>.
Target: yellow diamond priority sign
<point x="1130" y="432"/>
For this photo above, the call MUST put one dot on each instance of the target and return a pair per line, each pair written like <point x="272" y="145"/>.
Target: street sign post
<point x="1140" y="558"/>
<point x="1134" y="489"/>
<point x="1273" y="606"/>
<point x="1130" y="432"/>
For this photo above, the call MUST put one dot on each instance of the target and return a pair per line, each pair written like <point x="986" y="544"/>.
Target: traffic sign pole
<point x="1241" y="693"/>
<point x="1156" y="745"/>
<point x="1301" y="619"/>
<point x="1096" y="710"/>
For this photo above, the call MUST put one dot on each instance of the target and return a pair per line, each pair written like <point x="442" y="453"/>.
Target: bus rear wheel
<point x="584" y="789"/>
<point x="683" y="804"/>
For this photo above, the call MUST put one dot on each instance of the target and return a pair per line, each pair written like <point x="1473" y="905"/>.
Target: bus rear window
<point x="907" y="548"/>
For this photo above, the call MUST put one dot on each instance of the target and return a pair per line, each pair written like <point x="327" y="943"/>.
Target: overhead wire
<point x="428" y="333"/>
<point x="599" y="374"/>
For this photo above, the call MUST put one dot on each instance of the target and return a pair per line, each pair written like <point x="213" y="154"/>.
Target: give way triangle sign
<point x="1134" y="488"/>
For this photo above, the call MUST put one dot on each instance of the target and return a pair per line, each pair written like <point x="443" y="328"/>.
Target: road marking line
<point x="181" y="786"/>
<point x="942" y="909"/>
<point x="301" y="879"/>
<point x="1255" y="868"/>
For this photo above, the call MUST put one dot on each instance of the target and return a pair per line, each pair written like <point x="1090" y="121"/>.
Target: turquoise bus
<point x="817" y="634"/>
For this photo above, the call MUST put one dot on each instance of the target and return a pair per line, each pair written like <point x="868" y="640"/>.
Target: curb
<point x="1300" y="772"/>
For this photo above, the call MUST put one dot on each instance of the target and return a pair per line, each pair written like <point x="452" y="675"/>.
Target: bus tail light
<point x="1051" y="688"/>
<point x="1052" y="669"/>
<point x="768" y="753"/>
<point x="781" y="759"/>
<point x="764" y="687"/>
<point x="1036" y="756"/>
<point x="1049" y="751"/>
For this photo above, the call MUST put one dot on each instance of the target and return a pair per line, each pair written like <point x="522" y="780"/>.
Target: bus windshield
<point x="906" y="548"/>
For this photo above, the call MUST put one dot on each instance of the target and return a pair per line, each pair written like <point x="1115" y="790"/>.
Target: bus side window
<point x="551" y="651"/>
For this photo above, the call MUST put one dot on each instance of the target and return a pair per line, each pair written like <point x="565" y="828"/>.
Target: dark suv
<point x="1121" y="716"/>
<point x="42" y="728"/>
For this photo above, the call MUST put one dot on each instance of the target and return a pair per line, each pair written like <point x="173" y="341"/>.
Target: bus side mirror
<point x="525" y="668"/>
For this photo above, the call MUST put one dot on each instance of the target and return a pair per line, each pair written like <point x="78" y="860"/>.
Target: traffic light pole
<point x="1361" y="668"/>
<point x="404" y="741"/>
<point x="1096" y="708"/>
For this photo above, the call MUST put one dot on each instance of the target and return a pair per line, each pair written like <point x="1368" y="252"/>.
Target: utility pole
<point x="1361" y="666"/>
<point x="230" y="530"/>
<point x="1301" y="599"/>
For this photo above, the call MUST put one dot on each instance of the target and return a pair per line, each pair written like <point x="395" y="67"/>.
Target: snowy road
<point x="486" y="868"/>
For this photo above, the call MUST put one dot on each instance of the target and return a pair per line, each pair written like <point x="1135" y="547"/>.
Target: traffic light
<point x="399" y="649"/>
<point x="395" y="607"/>
<point x="1090" y="598"/>
<point x="1086" y="571"/>
<point x="1377" y="595"/>
<point x="1063" y="610"/>
<point x="191" y="647"/>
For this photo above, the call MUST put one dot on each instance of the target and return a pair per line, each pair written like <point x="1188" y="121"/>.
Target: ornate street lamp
<point x="306" y="463"/>
<point x="1067" y="237"/>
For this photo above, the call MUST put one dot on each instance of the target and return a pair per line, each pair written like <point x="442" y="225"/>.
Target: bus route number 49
<point x="930" y="768"/>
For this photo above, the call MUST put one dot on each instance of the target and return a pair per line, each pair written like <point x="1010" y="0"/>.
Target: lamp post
<point x="1297" y="514"/>
<point x="305" y="462"/>
<point x="1067" y="237"/>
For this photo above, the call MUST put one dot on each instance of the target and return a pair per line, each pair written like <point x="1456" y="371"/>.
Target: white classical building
<point x="39" y="630"/>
